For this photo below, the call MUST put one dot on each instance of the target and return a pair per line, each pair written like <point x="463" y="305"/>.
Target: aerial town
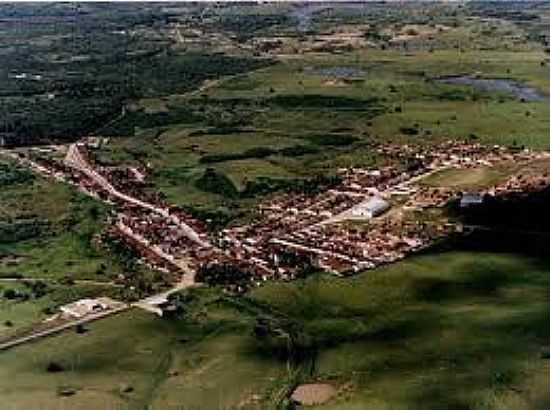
<point x="275" y="205"/>
<point x="363" y="221"/>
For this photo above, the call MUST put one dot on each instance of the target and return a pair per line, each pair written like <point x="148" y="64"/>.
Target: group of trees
<point x="35" y="289"/>
<point x="11" y="174"/>
<point x="264" y="152"/>
<point x="222" y="274"/>
<point x="20" y="230"/>
<point x="217" y="182"/>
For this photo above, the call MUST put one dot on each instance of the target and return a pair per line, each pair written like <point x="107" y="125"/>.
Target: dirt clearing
<point x="314" y="393"/>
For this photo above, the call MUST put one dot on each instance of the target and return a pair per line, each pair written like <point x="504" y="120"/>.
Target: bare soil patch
<point x="314" y="393"/>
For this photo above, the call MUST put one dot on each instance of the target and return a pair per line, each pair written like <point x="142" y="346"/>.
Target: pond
<point x="518" y="90"/>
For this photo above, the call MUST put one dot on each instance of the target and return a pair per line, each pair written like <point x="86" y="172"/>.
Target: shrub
<point x="54" y="367"/>
<point x="217" y="183"/>
<point x="259" y="153"/>
<point x="298" y="150"/>
<point x="222" y="275"/>
<point x="408" y="130"/>
<point x="333" y="139"/>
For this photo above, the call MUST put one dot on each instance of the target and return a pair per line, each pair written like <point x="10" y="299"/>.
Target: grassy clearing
<point x="471" y="178"/>
<point x="128" y="349"/>
<point x="433" y="332"/>
<point x="61" y="247"/>
<point x="161" y="361"/>
<point x="449" y="330"/>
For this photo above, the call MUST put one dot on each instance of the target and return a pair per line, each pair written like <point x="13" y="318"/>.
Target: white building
<point x="84" y="307"/>
<point x="371" y="208"/>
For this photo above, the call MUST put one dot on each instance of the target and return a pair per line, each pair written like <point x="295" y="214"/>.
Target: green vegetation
<point x="227" y="104"/>
<point x="48" y="229"/>
<point x="465" y="178"/>
<point x="52" y="91"/>
<point x="436" y="331"/>
<point x="49" y="234"/>
<point x="136" y="360"/>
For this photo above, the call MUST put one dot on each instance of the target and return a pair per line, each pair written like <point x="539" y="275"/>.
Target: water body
<point x="518" y="90"/>
<point x="336" y="72"/>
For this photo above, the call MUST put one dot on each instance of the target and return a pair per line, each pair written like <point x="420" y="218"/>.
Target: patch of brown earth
<point x="314" y="393"/>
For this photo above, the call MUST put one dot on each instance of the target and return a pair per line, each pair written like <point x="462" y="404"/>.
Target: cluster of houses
<point x="355" y="225"/>
<point x="318" y="227"/>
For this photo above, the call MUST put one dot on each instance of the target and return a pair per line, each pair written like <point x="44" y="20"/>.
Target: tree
<point x="54" y="367"/>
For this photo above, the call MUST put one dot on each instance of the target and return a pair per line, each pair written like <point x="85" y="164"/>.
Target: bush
<point x="222" y="275"/>
<point x="54" y="367"/>
<point x="21" y="230"/>
<point x="12" y="294"/>
<point x="316" y="102"/>
<point x="217" y="183"/>
<point x="335" y="140"/>
<point x="259" y="153"/>
<point x="11" y="175"/>
<point x="285" y="338"/>
<point x="408" y="130"/>
<point x="298" y="150"/>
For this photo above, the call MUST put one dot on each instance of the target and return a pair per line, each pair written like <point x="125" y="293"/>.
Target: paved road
<point x="54" y="330"/>
<point x="75" y="159"/>
<point x="179" y="264"/>
<point x="77" y="281"/>
<point x="314" y="250"/>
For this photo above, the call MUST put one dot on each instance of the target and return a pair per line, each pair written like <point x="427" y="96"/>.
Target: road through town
<point x="75" y="159"/>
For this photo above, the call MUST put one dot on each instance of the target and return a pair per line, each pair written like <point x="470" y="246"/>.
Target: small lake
<point x="337" y="72"/>
<point x="515" y="88"/>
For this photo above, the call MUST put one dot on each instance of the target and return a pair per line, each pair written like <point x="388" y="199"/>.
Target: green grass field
<point x="439" y="331"/>
<point x="434" y="332"/>
<point x="167" y="365"/>
<point x="61" y="247"/>
<point x="469" y="178"/>
<point x="47" y="232"/>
